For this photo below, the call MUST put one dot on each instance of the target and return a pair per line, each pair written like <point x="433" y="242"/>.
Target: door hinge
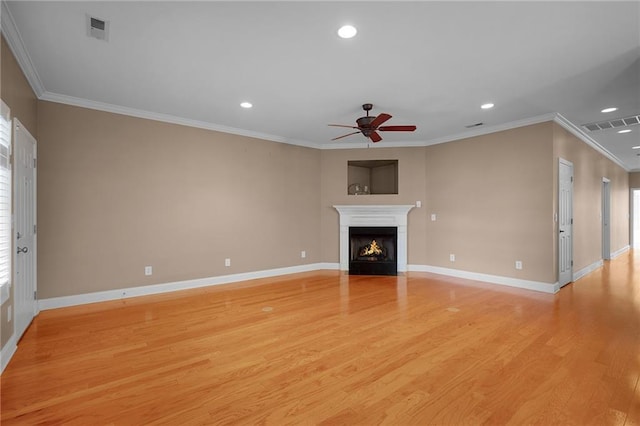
<point x="572" y="263"/>
<point x="35" y="163"/>
<point x="571" y="178"/>
<point x="35" y="229"/>
<point x="35" y="295"/>
<point x="572" y="221"/>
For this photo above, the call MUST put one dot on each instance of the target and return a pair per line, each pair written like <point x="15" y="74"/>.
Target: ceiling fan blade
<point x="343" y="125"/>
<point x="344" y="136"/>
<point x="379" y="120"/>
<point x="397" y="128"/>
<point x="375" y="137"/>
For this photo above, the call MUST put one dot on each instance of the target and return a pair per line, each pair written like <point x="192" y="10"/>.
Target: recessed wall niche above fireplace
<point x="374" y="216"/>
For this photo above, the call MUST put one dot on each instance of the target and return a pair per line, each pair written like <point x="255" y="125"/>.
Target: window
<point x="5" y="201"/>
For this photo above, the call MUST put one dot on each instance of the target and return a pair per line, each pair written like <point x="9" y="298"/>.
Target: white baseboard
<point x="619" y="252"/>
<point x="124" y="293"/>
<point x="329" y="265"/>
<point x="493" y="279"/>
<point x="7" y="352"/>
<point x="586" y="270"/>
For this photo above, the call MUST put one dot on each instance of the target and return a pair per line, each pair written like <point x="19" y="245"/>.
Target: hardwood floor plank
<point x="328" y="348"/>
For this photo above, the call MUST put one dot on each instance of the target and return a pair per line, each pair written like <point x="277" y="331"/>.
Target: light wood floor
<point x="333" y="349"/>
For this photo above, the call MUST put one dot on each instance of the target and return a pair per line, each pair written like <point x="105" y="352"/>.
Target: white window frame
<point x="5" y="202"/>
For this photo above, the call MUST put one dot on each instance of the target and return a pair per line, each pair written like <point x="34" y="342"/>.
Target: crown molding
<point x="116" y="109"/>
<point x="458" y="136"/>
<point x="492" y="129"/>
<point x="167" y="118"/>
<point x="11" y="34"/>
<point x="575" y="130"/>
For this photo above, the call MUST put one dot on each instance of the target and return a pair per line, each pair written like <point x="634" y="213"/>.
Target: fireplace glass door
<point x="372" y="250"/>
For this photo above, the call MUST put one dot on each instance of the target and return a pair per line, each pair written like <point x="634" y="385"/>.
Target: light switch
<point x="433" y="217"/>
<point x="418" y="204"/>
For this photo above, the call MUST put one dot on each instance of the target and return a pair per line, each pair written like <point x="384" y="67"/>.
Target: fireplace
<point x="374" y="216"/>
<point x="372" y="250"/>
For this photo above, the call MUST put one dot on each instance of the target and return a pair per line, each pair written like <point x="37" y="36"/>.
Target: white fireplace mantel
<point x="374" y="215"/>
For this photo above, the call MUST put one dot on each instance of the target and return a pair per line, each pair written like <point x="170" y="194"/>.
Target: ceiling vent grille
<point x="97" y="28"/>
<point x="612" y="124"/>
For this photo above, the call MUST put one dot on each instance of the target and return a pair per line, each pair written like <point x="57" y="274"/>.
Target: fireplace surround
<point x="374" y="216"/>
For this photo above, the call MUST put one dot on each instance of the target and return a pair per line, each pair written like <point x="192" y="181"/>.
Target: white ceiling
<point x="431" y="64"/>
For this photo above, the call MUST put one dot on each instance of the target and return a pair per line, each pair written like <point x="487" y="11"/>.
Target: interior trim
<point x="7" y="352"/>
<point x="587" y="270"/>
<point x="147" y="290"/>
<point x="577" y="132"/>
<point x="492" y="279"/>
<point x="165" y="118"/>
<point x="11" y="34"/>
<point x="620" y="251"/>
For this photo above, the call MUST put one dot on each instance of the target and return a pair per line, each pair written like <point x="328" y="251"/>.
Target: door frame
<point x="634" y="226"/>
<point x="606" y="219"/>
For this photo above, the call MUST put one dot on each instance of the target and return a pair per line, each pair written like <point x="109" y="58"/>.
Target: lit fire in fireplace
<point x="372" y="249"/>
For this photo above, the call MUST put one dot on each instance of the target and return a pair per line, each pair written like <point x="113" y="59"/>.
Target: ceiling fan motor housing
<point x="364" y="123"/>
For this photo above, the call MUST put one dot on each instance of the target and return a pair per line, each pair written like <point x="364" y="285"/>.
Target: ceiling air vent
<point x="612" y="124"/>
<point x="97" y="28"/>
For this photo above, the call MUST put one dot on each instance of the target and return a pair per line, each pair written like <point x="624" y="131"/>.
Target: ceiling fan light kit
<point x="369" y="126"/>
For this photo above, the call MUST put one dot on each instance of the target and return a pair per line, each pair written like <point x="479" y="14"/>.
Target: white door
<point x="565" y="222"/>
<point x="24" y="166"/>
<point x="635" y="221"/>
<point x="606" y="216"/>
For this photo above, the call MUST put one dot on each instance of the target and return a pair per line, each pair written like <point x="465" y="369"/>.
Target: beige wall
<point x="17" y="94"/>
<point x="634" y="180"/>
<point x="411" y="188"/>
<point x="117" y="193"/>
<point x="589" y="167"/>
<point x="492" y="198"/>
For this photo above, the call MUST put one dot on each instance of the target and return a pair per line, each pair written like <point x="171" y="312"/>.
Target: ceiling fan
<point x="369" y="126"/>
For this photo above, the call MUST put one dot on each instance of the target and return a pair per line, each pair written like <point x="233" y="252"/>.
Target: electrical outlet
<point x="452" y="257"/>
<point x="148" y="270"/>
<point x="303" y="254"/>
<point x="433" y="217"/>
<point x="9" y="316"/>
<point x="518" y="264"/>
<point x="227" y="262"/>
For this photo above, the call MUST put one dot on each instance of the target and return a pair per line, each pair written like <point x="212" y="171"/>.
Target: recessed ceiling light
<point x="246" y="104"/>
<point x="610" y="109"/>
<point x="624" y="131"/>
<point x="487" y="106"/>
<point x="347" y="31"/>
